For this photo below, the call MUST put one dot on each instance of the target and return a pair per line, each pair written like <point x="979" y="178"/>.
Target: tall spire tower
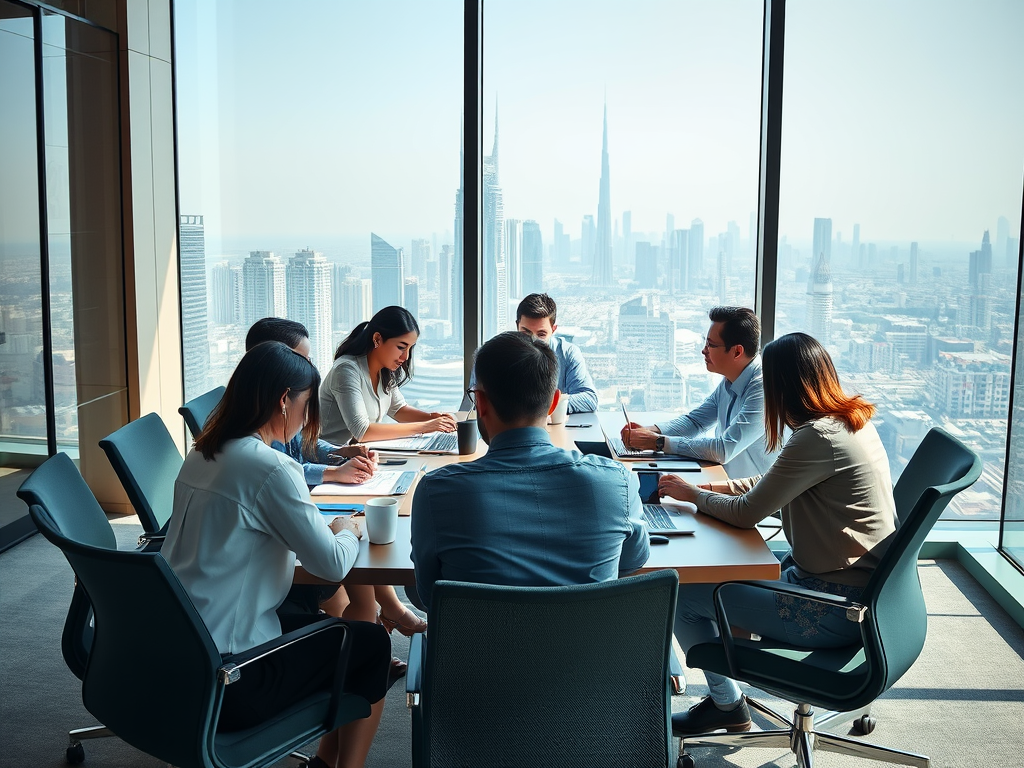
<point x="495" y="276"/>
<point x="603" y="246"/>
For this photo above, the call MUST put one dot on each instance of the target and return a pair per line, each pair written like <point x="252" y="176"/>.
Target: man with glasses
<point x="735" y="409"/>
<point x="527" y="513"/>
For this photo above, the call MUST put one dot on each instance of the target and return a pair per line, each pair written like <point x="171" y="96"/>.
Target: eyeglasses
<point x="710" y="345"/>
<point x="471" y="394"/>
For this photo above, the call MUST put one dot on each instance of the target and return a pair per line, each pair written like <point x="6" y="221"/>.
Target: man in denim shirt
<point x="527" y="513"/>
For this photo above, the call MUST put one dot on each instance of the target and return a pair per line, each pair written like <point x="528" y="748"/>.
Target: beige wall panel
<point x="95" y="418"/>
<point x="160" y="29"/>
<point x="138" y="25"/>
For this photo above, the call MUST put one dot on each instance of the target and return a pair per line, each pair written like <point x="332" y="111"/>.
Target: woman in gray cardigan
<point x="831" y="480"/>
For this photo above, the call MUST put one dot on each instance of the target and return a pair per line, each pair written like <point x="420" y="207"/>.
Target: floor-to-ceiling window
<point x="318" y="177"/>
<point x="62" y="340"/>
<point x="900" y="204"/>
<point x="620" y="176"/>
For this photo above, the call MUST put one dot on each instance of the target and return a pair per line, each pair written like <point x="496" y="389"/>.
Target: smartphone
<point x="649" y="487"/>
<point x="337" y="510"/>
<point x="391" y="462"/>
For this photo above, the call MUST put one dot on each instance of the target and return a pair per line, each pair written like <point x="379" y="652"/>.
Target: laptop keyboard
<point x="621" y="450"/>
<point x="657" y="517"/>
<point x="446" y="441"/>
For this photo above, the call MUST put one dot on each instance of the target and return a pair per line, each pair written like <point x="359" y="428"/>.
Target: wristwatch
<point x="659" y="443"/>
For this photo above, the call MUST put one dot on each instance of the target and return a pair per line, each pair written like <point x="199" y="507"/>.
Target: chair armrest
<point x="854" y="611"/>
<point x="151" y="542"/>
<point x="414" y="674"/>
<point x="231" y="671"/>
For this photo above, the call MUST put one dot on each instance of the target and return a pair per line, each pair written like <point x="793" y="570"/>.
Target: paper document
<point x="381" y="484"/>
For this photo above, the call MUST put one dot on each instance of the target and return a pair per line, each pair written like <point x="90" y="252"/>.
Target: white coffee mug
<point x="381" y="519"/>
<point x="561" y="412"/>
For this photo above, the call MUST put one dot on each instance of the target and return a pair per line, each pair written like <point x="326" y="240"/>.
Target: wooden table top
<point x="716" y="552"/>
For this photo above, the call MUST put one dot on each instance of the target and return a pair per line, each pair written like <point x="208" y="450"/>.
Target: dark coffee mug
<point x="467" y="436"/>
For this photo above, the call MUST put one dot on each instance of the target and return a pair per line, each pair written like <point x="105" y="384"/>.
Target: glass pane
<point x="83" y="190"/>
<point x="22" y="393"/>
<point x="621" y="178"/>
<point x="899" y="213"/>
<point x="1013" y="510"/>
<point x="318" y="165"/>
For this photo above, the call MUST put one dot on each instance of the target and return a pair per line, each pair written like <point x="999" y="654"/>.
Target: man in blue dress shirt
<point x="536" y="316"/>
<point x="527" y="513"/>
<point x="735" y="409"/>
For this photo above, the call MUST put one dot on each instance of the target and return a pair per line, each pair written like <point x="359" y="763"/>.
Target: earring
<point x="284" y="412"/>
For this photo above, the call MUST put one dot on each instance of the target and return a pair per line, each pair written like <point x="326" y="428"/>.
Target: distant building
<point x="532" y="260"/>
<point x="263" y="287"/>
<point x="419" y="255"/>
<point x="909" y="337"/>
<point x="495" y="267"/>
<point x="310" y="302"/>
<point x="646" y="272"/>
<point x="913" y="263"/>
<point x="514" y="257"/>
<point x="411" y="298"/>
<point x="646" y="338"/>
<point x="226" y="293"/>
<point x="602" y="275"/>
<point x="667" y="389"/>
<point x="973" y="385"/>
<point x="387" y="273"/>
<point x="822" y="245"/>
<point x="356" y="297"/>
<point x="819" y="300"/>
<point x="695" y="249"/>
<point x="193" y="305"/>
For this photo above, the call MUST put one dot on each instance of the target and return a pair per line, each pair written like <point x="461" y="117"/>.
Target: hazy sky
<point x="342" y="118"/>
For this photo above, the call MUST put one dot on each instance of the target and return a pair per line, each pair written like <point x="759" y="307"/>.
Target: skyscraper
<point x="646" y="273"/>
<point x="419" y="255"/>
<point x="819" y="302"/>
<point x="356" y="295"/>
<point x="822" y="240"/>
<point x="495" y="275"/>
<point x="532" y="253"/>
<point x="224" y="293"/>
<point x="444" y="282"/>
<point x="678" y="261"/>
<point x="411" y="299"/>
<point x="193" y="305"/>
<point x="263" y="287"/>
<point x="695" y="249"/>
<point x="453" y="273"/>
<point x="603" y="244"/>
<point x="387" y="273"/>
<point x="339" y="274"/>
<point x="514" y="257"/>
<point x="560" y="247"/>
<point x="310" y="302"/>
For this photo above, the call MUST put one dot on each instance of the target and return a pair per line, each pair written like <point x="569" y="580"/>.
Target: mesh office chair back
<point x="197" y="410"/>
<point x="146" y="461"/>
<point x="527" y="676"/>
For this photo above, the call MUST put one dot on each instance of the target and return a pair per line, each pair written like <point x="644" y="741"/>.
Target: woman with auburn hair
<point x="831" y="480"/>
<point x="242" y="513"/>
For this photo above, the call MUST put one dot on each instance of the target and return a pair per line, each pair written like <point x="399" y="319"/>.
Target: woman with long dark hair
<point x="242" y="513"/>
<point x="831" y="480"/>
<point x="363" y="385"/>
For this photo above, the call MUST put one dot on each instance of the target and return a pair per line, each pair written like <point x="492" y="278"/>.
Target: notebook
<point x="431" y="442"/>
<point x="383" y="483"/>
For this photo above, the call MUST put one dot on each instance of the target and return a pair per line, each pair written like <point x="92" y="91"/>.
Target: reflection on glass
<point x="22" y="393"/>
<point x="898" y="214"/>
<point x="83" y="222"/>
<point x="620" y="176"/>
<point x="318" y="168"/>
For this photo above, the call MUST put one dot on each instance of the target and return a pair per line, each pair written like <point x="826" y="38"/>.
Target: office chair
<point x="583" y="675"/>
<point x="146" y="461"/>
<point x="197" y="410"/>
<point x="168" y="709"/>
<point x="893" y="622"/>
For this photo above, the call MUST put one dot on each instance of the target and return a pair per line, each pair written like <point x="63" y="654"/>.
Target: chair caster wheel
<point x="75" y="754"/>
<point x="686" y="760"/>
<point x="864" y="725"/>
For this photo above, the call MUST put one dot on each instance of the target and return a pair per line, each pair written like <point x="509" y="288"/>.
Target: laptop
<point x="619" y="448"/>
<point x="430" y="442"/>
<point x="674" y="520"/>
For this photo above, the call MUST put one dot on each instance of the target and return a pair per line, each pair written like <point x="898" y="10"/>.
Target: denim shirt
<point x="573" y="378"/>
<point x="527" y="514"/>
<point x="736" y="411"/>
<point x="312" y="471"/>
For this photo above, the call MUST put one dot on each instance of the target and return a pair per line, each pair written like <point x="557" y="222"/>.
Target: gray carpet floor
<point x="960" y="704"/>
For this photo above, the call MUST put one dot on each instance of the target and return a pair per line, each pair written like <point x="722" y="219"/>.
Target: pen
<point x="576" y="426"/>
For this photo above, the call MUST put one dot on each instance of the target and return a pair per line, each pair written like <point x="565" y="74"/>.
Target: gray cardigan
<point x="348" y="404"/>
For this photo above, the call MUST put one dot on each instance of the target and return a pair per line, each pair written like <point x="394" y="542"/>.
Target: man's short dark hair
<point x="537" y="306"/>
<point x="288" y="332"/>
<point x="739" y="326"/>
<point x="519" y="375"/>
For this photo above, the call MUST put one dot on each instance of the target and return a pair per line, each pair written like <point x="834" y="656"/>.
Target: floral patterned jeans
<point x="779" y="617"/>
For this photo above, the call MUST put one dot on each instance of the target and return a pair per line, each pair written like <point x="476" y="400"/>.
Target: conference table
<point x="716" y="552"/>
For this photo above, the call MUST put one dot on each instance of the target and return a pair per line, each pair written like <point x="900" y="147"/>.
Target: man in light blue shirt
<point x="735" y="409"/>
<point x="536" y="315"/>
<point x="527" y="513"/>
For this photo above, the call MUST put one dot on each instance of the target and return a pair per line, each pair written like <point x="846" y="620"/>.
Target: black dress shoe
<point x="397" y="671"/>
<point x="706" y="717"/>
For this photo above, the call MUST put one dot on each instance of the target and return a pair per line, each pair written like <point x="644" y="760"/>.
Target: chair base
<point x="801" y="737"/>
